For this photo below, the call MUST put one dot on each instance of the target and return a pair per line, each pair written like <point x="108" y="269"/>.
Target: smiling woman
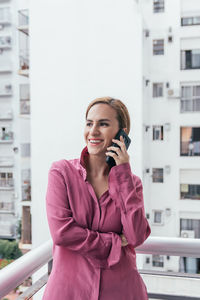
<point x="96" y="214"/>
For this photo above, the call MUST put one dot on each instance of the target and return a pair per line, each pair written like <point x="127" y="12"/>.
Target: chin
<point x="95" y="151"/>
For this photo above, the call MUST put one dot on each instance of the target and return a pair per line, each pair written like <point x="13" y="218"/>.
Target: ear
<point x="125" y="130"/>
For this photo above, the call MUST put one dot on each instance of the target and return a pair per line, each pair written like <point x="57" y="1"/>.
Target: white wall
<point x="79" y="50"/>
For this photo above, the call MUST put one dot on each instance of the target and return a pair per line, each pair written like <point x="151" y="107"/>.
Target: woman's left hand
<point x="124" y="241"/>
<point x="121" y="156"/>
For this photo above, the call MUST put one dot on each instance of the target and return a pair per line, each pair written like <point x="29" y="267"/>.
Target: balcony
<point x="175" y="285"/>
<point x="5" y="67"/>
<point x="6" y="161"/>
<point x="190" y="59"/>
<point x="6" y="184"/>
<point x="7" y="207"/>
<point x="5" y="43"/>
<point x="6" y="116"/>
<point x="5" y="16"/>
<point x="190" y="105"/>
<point x="6" y="137"/>
<point x="7" y="227"/>
<point x="5" y="90"/>
<point x="190" y="148"/>
<point x="23" y="17"/>
<point x="24" y="62"/>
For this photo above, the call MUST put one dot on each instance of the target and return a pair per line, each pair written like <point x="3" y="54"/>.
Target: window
<point x="5" y="14"/>
<point x="157" y="90"/>
<point x="25" y="150"/>
<point x="26" y="185"/>
<point x="190" y="191"/>
<point x="190" y="59"/>
<point x="158" y="133"/>
<point x="157" y="218"/>
<point x="24" y="99"/>
<point x="5" y="41"/>
<point x="158" y="6"/>
<point x="6" y="179"/>
<point x="191" y="224"/>
<point x="188" y="21"/>
<point x="190" y="141"/>
<point x="190" y="98"/>
<point x="147" y="260"/>
<point x="158" y="47"/>
<point x="158" y="261"/>
<point x="26" y="225"/>
<point x="157" y="175"/>
<point x="6" y="206"/>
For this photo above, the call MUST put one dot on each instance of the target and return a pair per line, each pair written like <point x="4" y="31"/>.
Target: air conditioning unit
<point x="173" y="94"/>
<point x="187" y="234"/>
<point x="167" y="126"/>
<point x="170" y="92"/>
<point x="167" y="169"/>
<point x="168" y="211"/>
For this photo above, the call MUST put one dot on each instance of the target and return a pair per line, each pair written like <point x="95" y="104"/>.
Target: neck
<point x="96" y="166"/>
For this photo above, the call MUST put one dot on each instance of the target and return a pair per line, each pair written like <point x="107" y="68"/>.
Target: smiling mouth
<point x="95" y="142"/>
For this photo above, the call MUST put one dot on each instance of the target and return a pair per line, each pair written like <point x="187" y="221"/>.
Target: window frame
<point x="158" y="6"/>
<point x="158" y="175"/>
<point x="158" y="47"/>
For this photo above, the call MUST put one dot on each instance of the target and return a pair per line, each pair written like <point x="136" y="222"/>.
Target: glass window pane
<point x="196" y="58"/>
<point x="186" y="92"/>
<point x="196" y="20"/>
<point x="196" y="90"/>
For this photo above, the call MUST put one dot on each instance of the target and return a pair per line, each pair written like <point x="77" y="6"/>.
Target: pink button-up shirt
<point x="89" y="262"/>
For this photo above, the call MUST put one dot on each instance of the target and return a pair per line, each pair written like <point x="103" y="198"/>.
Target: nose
<point x="94" y="130"/>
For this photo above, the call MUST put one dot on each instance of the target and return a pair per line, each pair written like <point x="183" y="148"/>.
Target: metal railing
<point x="6" y="161"/>
<point x="23" y="17"/>
<point x="6" y="183"/>
<point x="15" y="273"/>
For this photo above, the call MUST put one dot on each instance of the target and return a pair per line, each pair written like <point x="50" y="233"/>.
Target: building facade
<point x="171" y="102"/>
<point x="15" y="174"/>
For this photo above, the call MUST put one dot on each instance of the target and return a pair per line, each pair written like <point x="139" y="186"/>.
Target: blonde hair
<point x="123" y="116"/>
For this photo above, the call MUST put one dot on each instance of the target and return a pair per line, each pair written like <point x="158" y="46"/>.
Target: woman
<point x="96" y="215"/>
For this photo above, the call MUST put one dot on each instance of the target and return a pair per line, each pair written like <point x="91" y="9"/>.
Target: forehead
<point x="102" y="111"/>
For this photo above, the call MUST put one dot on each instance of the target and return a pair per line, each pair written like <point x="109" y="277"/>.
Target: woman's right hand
<point x="124" y="240"/>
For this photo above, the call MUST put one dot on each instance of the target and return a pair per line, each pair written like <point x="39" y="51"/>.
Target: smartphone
<point x="110" y="160"/>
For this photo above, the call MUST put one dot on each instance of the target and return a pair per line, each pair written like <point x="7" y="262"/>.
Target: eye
<point x="89" y="124"/>
<point x="104" y="124"/>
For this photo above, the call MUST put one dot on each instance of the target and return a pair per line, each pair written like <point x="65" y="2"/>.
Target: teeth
<point x="95" y="141"/>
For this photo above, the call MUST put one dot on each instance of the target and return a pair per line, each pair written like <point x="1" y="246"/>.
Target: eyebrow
<point x="101" y="120"/>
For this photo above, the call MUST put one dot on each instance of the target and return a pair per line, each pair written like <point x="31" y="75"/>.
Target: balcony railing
<point x="6" y="183"/>
<point x="6" y="90"/>
<point x="7" y="207"/>
<point x="5" y="42"/>
<point x="6" y="137"/>
<point x="5" y="16"/>
<point x="190" y="105"/>
<point x="25" y="107"/>
<point x="6" y="115"/>
<point x="5" y="67"/>
<point x="15" y="273"/>
<point x="190" y="148"/>
<point x="7" y="227"/>
<point x="6" y="161"/>
<point x="23" y="20"/>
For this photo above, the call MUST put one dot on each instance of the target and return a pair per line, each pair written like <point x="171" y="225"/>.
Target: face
<point x="101" y="127"/>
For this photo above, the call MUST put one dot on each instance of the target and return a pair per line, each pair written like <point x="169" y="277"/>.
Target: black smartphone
<point x="110" y="160"/>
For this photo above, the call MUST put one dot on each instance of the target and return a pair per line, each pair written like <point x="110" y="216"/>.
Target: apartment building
<point x="15" y="178"/>
<point x="171" y="129"/>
